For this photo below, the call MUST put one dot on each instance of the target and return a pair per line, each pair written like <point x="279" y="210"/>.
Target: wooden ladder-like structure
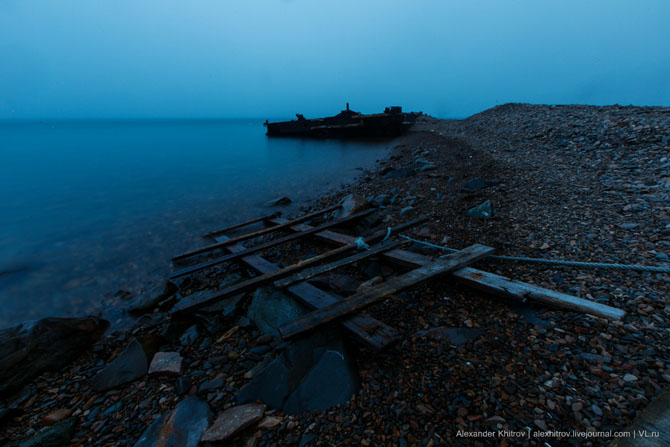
<point x="328" y="307"/>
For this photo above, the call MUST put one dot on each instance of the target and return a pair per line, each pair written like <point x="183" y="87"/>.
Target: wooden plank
<point x="189" y="305"/>
<point x="263" y="246"/>
<point x="339" y="238"/>
<point x="314" y="271"/>
<point x="370" y="296"/>
<point x="497" y="284"/>
<point x="489" y="282"/>
<point x="371" y="332"/>
<point x="247" y="236"/>
<point x="240" y="225"/>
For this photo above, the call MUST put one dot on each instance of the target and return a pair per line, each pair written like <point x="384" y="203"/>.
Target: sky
<point x="91" y="59"/>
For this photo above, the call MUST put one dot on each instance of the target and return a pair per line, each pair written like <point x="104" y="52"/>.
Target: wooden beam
<point x="186" y="305"/>
<point x="339" y="238"/>
<point x="489" y="282"/>
<point x="240" y="225"/>
<point x="247" y="236"/>
<point x="263" y="246"/>
<point x="373" y="333"/>
<point x="318" y="270"/>
<point x="370" y="296"/>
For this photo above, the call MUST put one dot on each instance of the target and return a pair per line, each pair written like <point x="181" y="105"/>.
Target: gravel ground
<point x="571" y="182"/>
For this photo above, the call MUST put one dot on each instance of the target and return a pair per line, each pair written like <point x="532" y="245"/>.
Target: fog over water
<point x="269" y="58"/>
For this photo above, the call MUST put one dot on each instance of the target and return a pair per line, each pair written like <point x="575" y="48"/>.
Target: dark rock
<point x="331" y="381"/>
<point x="481" y="211"/>
<point x="233" y="420"/>
<point x="182" y="385"/>
<point x="183" y="427"/>
<point x="131" y="364"/>
<point x="174" y="329"/>
<point x="58" y="435"/>
<point x="343" y="284"/>
<point x="302" y="377"/>
<point x="165" y="363"/>
<point x="31" y="348"/>
<point x="406" y="210"/>
<point x="477" y="184"/>
<point x="278" y="201"/>
<point x="381" y="200"/>
<point x="270" y="308"/>
<point x="352" y="204"/>
<point x="150" y="299"/>
<point x="454" y="335"/>
<point x="428" y="167"/>
<point x="211" y="385"/>
<point x="307" y="439"/>
<point x="190" y="336"/>
<point x="400" y="173"/>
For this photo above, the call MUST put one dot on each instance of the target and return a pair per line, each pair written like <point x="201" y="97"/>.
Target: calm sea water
<point x="91" y="208"/>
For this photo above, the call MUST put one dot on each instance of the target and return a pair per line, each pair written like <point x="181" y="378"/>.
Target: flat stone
<point x="57" y="416"/>
<point x="454" y="335"/>
<point x="183" y="427"/>
<point x="482" y="211"/>
<point x="477" y="184"/>
<point x="269" y="422"/>
<point x="232" y="421"/>
<point x="400" y="173"/>
<point x="131" y="364"/>
<point x="629" y="378"/>
<point x="165" y="363"/>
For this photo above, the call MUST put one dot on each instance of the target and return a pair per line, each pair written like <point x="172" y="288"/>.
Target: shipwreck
<point x="346" y="124"/>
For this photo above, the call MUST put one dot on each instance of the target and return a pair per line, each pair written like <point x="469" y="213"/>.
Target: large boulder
<point x="183" y="427"/>
<point x="31" y="348"/>
<point x="312" y="373"/>
<point x="270" y="308"/>
<point x="131" y="364"/>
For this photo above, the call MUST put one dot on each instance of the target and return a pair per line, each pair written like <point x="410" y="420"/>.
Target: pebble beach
<point x="579" y="183"/>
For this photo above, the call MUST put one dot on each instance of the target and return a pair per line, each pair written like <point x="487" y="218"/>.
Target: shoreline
<point x="571" y="182"/>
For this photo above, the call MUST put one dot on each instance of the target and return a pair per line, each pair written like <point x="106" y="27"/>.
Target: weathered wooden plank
<point x="488" y="282"/>
<point x="189" y="305"/>
<point x="367" y="297"/>
<point x="371" y="332"/>
<point x="263" y="246"/>
<point x="242" y="224"/>
<point x="493" y="283"/>
<point x="339" y="238"/>
<point x="318" y="270"/>
<point x="248" y="236"/>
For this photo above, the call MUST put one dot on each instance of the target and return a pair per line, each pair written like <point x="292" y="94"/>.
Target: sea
<point x="92" y="211"/>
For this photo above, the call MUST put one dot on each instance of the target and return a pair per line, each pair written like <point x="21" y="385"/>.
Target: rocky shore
<point x="561" y="182"/>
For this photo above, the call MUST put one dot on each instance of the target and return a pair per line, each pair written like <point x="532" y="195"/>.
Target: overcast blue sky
<point x="270" y="58"/>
